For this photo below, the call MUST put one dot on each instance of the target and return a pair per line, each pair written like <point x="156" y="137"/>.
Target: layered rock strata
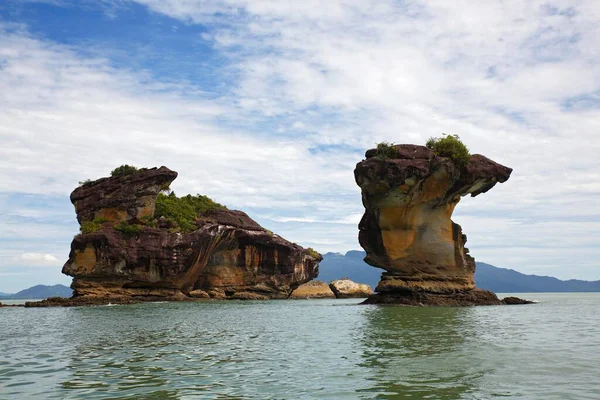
<point x="407" y="228"/>
<point x="227" y="256"/>
<point x="127" y="198"/>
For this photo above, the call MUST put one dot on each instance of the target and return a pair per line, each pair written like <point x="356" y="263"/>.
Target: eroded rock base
<point x="79" y="301"/>
<point x="475" y="297"/>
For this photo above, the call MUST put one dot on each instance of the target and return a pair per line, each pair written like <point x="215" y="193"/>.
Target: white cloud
<point x="318" y="80"/>
<point x="353" y="219"/>
<point x="499" y="74"/>
<point x="38" y="259"/>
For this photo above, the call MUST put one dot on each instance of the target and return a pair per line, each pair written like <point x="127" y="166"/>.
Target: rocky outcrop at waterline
<point x="127" y="253"/>
<point x="346" y="289"/>
<point x="459" y="298"/>
<point x="337" y="289"/>
<point x="313" y="290"/>
<point x="407" y="229"/>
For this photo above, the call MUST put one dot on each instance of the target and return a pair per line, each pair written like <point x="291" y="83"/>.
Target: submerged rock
<point x="461" y="298"/>
<point x="407" y="228"/>
<point x="346" y="289"/>
<point x="132" y="254"/>
<point x="313" y="290"/>
<point x="515" y="300"/>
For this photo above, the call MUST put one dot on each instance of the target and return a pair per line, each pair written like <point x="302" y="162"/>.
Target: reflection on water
<point x="419" y="352"/>
<point x="322" y="349"/>
<point x="230" y="350"/>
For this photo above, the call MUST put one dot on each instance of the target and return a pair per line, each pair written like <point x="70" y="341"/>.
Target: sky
<point x="266" y="106"/>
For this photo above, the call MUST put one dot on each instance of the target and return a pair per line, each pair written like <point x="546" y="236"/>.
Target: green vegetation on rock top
<point x="386" y="151"/>
<point x="313" y="253"/>
<point x="127" y="229"/>
<point x="450" y="146"/>
<point x="123" y="170"/>
<point x="182" y="212"/>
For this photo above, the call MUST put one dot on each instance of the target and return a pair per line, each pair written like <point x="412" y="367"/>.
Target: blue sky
<point x="267" y="106"/>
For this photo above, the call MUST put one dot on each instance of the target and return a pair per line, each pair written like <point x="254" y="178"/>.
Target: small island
<point x="140" y="242"/>
<point x="409" y="193"/>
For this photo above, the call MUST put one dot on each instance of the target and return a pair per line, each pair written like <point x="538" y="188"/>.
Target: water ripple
<point x="302" y="350"/>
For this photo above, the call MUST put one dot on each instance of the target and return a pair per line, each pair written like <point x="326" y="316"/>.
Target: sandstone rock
<point x="345" y="289"/>
<point x="125" y="198"/>
<point x="89" y="301"/>
<point x="407" y="228"/>
<point x="247" y="296"/>
<point x="474" y="297"/>
<point x="199" y="294"/>
<point x="217" y="294"/>
<point x="228" y="253"/>
<point x="313" y="290"/>
<point x="511" y="300"/>
<point x="235" y="218"/>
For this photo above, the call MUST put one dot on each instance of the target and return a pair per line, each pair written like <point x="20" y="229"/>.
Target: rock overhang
<point x="406" y="228"/>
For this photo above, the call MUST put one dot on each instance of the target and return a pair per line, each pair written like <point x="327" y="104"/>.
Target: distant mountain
<point x="40" y="292"/>
<point x="500" y="280"/>
<point x="510" y="281"/>
<point x="351" y="265"/>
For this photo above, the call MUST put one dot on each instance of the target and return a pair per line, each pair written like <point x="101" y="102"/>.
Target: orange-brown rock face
<point x="126" y="198"/>
<point x="228" y="256"/>
<point x="407" y="228"/>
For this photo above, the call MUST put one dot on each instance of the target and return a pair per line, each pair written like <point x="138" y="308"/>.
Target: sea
<point x="303" y="349"/>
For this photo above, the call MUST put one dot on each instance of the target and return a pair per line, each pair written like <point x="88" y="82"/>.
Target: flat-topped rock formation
<point x="407" y="228"/>
<point x="128" y="253"/>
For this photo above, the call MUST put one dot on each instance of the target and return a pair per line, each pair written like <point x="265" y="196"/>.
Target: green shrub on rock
<point x="92" y="226"/>
<point x="149" y="221"/>
<point x="123" y="170"/>
<point x="313" y="253"/>
<point x="183" y="211"/>
<point x="450" y="146"/>
<point x="127" y="229"/>
<point x="386" y="151"/>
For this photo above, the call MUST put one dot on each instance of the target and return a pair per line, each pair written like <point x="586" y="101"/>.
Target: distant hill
<point x="39" y="292"/>
<point x="510" y="281"/>
<point x="351" y="265"/>
<point x="500" y="280"/>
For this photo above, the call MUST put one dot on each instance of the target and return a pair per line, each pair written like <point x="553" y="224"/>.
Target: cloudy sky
<point x="267" y="105"/>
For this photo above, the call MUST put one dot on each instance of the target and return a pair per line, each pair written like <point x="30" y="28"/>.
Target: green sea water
<point x="321" y="349"/>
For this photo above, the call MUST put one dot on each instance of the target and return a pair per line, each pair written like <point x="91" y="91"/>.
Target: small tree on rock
<point x="450" y="146"/>
<point x="123" y="170"/>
